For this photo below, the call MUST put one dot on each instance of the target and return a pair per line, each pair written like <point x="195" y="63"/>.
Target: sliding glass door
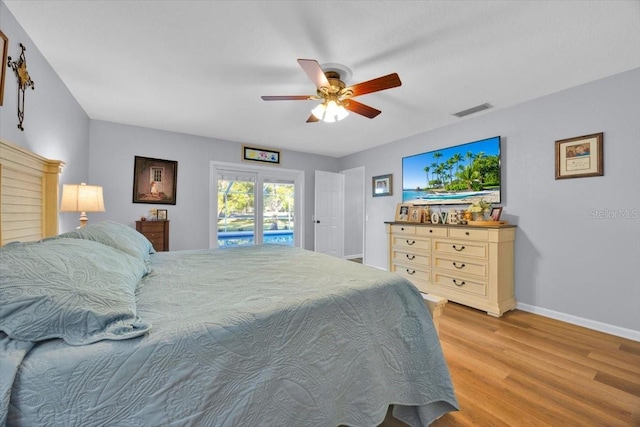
<point x="255" y="206"/>
<point x="236" y="210"/>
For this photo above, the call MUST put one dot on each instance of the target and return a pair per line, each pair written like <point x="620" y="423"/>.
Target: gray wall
<point x="55" y="126"/>
<point x="568" y="258"/>
<point x="112" y="150"/>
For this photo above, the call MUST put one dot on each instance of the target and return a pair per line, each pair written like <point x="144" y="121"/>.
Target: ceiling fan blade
<point x="375" y="85"/>
<point x="287" y="98"/>
<point x="312" y="119"/>
<point x="360" y="108"/>
<point x="315" y="73"/>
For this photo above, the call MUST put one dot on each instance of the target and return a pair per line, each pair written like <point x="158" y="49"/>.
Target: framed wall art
<point x="155" y="181"/>
<point x="4" y="51"/>
<point x="382" y="185"/>
<point x="253" y="154"/>
<point x="580" y="157"/>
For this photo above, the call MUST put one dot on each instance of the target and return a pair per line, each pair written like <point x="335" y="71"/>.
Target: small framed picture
<point x="382" y="185"/>
<point x="263" y="155"/>
<point x="402" y="212"/>
<point x="579" y="157"/>
<point x="495" y="213"/>
<point x="162" y="215"/>
<point x="415" y="214"/>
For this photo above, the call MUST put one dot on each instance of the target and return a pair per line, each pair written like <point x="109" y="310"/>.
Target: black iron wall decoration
<point x="24" y="81"/>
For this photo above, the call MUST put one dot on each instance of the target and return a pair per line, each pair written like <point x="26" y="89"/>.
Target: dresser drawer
<point x="462" y="248"/>
<point x="408" y="258"/>
<point x="462" y="284"/>
<point x="412" y="273"/>
<point x="409" y="230"/>
<point x="411" y="243"/>
<point x="157" y="242"/>
<point x="432" y="231"/>
<point x="157" y="232"/>
<point x="461" y="265"/>
<point x="152" y="226"/>
<point x="469" y="233"/>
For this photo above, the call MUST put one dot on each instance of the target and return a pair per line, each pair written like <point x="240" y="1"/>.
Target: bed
<point x="97" y="329"/>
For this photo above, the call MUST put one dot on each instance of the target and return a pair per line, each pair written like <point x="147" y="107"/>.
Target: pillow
<point x="74" y="289"/>
<point x="116" y="235"/>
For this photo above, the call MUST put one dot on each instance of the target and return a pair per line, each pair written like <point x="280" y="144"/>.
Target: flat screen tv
<point x="460" y="174"/>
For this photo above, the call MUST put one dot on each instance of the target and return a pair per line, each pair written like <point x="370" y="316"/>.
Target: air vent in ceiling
<point x="473" y="110"/>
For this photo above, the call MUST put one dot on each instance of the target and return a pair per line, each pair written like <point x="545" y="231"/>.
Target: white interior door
<point x="328" y="216"/>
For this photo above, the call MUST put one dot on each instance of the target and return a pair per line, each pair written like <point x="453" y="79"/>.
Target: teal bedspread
<point x="253" y="336"/>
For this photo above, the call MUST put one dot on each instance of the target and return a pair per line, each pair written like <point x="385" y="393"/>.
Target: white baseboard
<point x="591" y="324"/>
<point x="353" y="256"/>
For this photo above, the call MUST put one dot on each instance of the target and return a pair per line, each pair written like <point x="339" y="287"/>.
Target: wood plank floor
<point x="527" y="370"/>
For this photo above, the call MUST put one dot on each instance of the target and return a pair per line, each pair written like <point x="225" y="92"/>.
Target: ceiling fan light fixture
<point x="329" y="112"/>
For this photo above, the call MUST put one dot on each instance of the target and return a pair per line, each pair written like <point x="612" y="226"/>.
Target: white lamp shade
<point x="82" y="198"/>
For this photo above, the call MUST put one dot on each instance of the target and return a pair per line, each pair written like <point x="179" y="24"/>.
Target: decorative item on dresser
<point x="157" y="232"/>
<point x="473" y="266"/>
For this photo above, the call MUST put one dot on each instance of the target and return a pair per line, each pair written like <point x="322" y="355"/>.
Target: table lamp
<point x="82" y="198"/>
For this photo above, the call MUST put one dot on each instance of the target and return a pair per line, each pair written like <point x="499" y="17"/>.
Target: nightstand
<point x="157" y="232"/>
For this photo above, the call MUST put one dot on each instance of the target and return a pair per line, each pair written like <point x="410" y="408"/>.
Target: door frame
<point x="348" y="173"/>
<point x="296" y="175"/>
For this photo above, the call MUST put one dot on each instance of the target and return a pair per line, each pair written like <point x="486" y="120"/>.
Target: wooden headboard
<point x="28" y="194"/>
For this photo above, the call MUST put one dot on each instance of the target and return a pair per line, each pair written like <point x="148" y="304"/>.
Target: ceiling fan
<point x="336" y="97"/>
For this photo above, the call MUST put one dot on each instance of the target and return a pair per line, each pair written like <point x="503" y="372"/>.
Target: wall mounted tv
<point x="456" y="175"/>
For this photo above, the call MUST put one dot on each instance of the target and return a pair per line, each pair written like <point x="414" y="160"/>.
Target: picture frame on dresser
<point x="579" y="157"/>
<point x="496" y="212"/>
<point x="162" y="214"/>
<point x="415" y="214"/>
<point x="402" y="212"/>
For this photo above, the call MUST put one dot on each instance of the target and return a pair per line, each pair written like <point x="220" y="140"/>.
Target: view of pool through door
<point x="255" y="206"/>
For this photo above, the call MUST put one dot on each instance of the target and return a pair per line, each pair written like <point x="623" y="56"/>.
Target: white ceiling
<point x="200" y="67"/>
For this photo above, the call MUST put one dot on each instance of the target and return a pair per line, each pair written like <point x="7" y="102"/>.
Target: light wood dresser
<point x="469" y="265"/>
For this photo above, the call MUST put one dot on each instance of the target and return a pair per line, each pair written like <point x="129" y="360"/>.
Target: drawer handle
<point x="410" y="257"/>
<point x="461" y="248"/>
<point x="455" y="282"/>
<point x="402" y="228"/>
<point x="411" y="243"/>
<point x="458" y="267"/>
<point x="411" y="272"/>
<point x="466" y="233"/>
<point x="430" y="231"/>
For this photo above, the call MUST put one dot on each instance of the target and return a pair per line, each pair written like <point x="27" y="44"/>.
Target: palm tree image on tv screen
<point x="455" y="175"/>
